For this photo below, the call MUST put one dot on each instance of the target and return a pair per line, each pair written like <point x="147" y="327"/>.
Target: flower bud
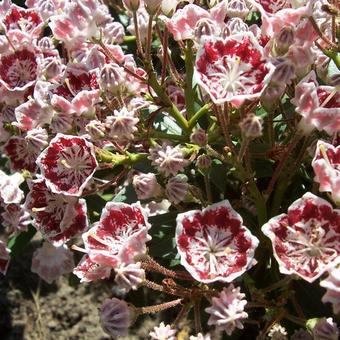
<point x="271" y="95"/>
<point x="168" y="7"/>
<point x="325" y="329"/>
<point x="37" y="138"/>
<point x="131" y="5"/>
<point x="284" y="40"/>
<point x="199" y="137"/>
<point x="152" y="6"/>
<point x="115" y="317"/>
<point x="251" y="126"/>
<point x="204" y="162"/>
<point x="205" y="27"/>
<point x="96" y="129"/>
<point x="111" y="78"/>
<point x="237" y="8"/>
<point x="177" y="188"/>
<point x="234" y="26"/>
<point x="146" y="186"/>
<point x="284" y="72"/>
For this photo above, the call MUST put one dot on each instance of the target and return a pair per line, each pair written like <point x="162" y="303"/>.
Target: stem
<point x="200" y="113"/>
<point x="296" y="320"/>
<point x="163" y="135"/>
<point x="321" y="35"/>
<point x="182" y="314"/>
<point x="281" y="164"/>
<point x="158" y="308"/>
<point x="243" y="150"/>
<point x="165" y="54"/>
<point x="188" y="89"/>
<point x="138" y="41"/>
<point x="208" y="187"/>
<point x="149" y="39"/>
<point x="278" y="284"/>
<point x="197" y="313"/>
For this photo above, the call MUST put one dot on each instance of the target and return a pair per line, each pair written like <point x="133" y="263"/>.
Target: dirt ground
<point x="33" y="310"/>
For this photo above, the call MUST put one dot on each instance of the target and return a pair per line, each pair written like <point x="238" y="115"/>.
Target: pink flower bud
<point x="199" y="137"/>
<point x="284" y="39"/>
<point x="146" y="186"/>
<point x="115" y="317"/>
<point x="234" y="26"/>
<point x="204" y="162"/>
<point x="131" y="5"/>
<point x="237" y="8"/>
<point x="271" y="95"/>
<point x="111" y="78"/>
<point x="177" y="188"/>
<point x="4" y="257"/>
<point x="284" y="72"/>
<point x="205" y="27"/>
<point x="325" y="329"/>
<point x="96" y="129"/>
<point x="251" y="126"/>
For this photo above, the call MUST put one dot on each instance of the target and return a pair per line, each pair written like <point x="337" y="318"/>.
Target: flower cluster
<point x="198" y="140"/>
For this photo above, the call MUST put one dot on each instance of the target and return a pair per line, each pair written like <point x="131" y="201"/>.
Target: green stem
<point x="170" y="107"/>
<point x="200" y="113"/>
<point x="129" y="38"/>
<point x="188" y="89"/>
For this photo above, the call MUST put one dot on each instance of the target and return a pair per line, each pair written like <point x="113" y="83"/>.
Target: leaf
<point x="167" y="124"/>
<point x="17" y="243"/>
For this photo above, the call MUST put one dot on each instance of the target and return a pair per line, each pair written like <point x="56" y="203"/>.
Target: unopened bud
<point x="132" y="5"/>
<point x="96" y="129"/>
<point x="199" y="137"/>
<point x="146" y="186"/>
<point x="152" y="6"/>
<point x="251" y="126"/>
<point x="177" y="188"/>
<point x="205" y="27"/>
<point x="168" y="7"/>
<point x="111" y="78"/>
<point x="234" y="26"/>
<point x="284" y="72"/>
<point x="237" y="8"/>
<point x="284" y="40"/>
<point x="204" y="162"/>
<point x="271" y="95"/>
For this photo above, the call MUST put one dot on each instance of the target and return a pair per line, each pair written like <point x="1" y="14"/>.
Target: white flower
<point x="163" y="332"/>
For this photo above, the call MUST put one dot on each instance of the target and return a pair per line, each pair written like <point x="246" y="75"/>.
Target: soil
<point x="31" y="309"/>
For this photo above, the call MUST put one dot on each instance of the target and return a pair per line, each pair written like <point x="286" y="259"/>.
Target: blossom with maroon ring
<point x="326" y="165"/>
<point x="233" y="69"/>
<point x="119" y="236"/>
<point x="306" y="240"/>
<point x="68" y="164"/>
<point x="57" y="217"/>
<point x="213" y="243"/>
<point x="18" y="69"/>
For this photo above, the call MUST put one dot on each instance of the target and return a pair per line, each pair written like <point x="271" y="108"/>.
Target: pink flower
<point x="50" y="262"/>
<point x="332" y="284"/>
<point x="115" y="317"/>
<point x="18" y="69"/>
<point x="234" y="69"/>
<point x="26" y="20"/>
<point x="4" y="257"/>
<point x="21" y="154"/>
<point x="68" y="164"/>
<point x="119" y="236"/>
<point x="15" y="218"/>
<point x="306" y="241"/>
<point x="183" y="22"/>
<point x="169" y="160"/>
<point x="146" y="186"/>
<point x="319" y="106"/>
<point x="326" y="165"/>
<point x="163" y="332"/>
<point x="88" y="270"/>
<point x="57" y="217"/>
<point x="227" y="310"/>
<point x="213" y="243"/>
<point x="273" y="6"/>
<point x="177" y="188"/>
<point x="10" y="191"/>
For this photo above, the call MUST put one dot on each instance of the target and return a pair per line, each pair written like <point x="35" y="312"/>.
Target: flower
<point x="68" y="164"/>
<point x="332" y="284"/>
<point x="4" y="257"/>
<point x="177" y="188"/>
<point x="57" y="217"/>
<point x="119" y="236"/>
<point x="326" y="165"/>
<point x="200" y="336"/>
<point x="88" y="270"/>
<point x="163" y="332"/>
<point x="233" y="69"/>
<point x="213" y="244"/>
<point x="306" y="239"/>
<point x="50" y="262"/>
<point x="277" y="332"/>
<point x="325" y="329"/>
<point x="15" y="218"/>
<point x="319" y="106"/>
<point x="122" y="125"/>
<point x="18" y="69"/>
<point x="146" y="186"/>
<point x="227" y="310"/>
<point x="168" y="159"/>
<point x="115" y="317"/>
<point x="10" y="191"/>
<point x="129" y="276"/>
